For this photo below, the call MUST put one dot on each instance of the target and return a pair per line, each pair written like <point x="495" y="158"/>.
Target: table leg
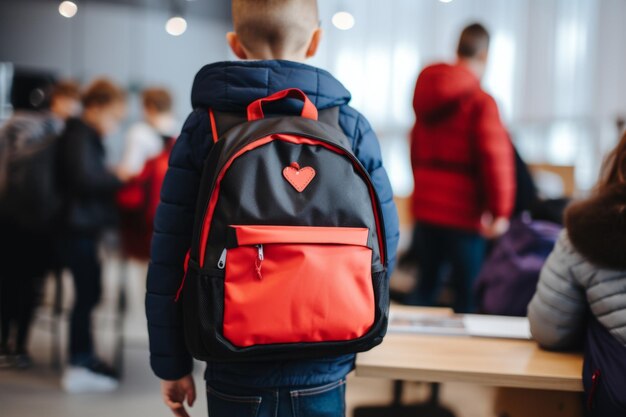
<point x="430" y="408"/>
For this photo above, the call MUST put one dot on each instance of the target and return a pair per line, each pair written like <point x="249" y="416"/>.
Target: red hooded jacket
<point x="461" y="154"/>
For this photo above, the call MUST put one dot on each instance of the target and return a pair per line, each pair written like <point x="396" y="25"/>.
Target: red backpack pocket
<point x="292" y="284"/>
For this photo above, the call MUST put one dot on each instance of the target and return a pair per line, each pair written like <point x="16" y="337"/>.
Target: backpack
<point x="29" y="193"/>
<point x="288" y="251"/>
<point x="508" y="278"/>
<point x="137" y="202"/>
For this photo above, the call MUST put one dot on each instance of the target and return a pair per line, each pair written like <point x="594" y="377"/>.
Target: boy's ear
<point x="235" y="45"/>
<point x="316" y="37"/>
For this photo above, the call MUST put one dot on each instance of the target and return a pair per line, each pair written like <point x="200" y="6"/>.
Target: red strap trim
<point x="253" y="235"/>
<point x="309" y="111"/>
<point x="213" y="126"/>
<point x="182" y="283"/>
<point x="208" y="214"/>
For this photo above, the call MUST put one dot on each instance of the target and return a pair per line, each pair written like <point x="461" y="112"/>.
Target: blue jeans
<point x="326" y="400"/>
<point x="442" y="251"/>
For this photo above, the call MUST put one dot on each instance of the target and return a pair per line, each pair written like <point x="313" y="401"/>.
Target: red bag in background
<point x="137" y="202"/>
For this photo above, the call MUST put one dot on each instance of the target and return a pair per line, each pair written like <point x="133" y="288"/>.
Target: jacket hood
<point x="597" y="227"/>
<point x="230" y="86"/>
<point x="440" y="88"/>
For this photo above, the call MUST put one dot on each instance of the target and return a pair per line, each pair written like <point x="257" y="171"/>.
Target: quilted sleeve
<point x="171" y="240"/>
<point x="558" y="308"/>
<point x="497" y="165"/>
<point x="367" y="149"/>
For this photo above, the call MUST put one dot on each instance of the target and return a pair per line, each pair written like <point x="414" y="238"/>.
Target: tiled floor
<point x="37" y="393"/>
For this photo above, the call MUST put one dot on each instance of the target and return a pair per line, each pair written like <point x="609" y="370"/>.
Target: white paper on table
<point x="424" y="323"/>
<point x="460" y="325"/>
<point x="497" y="326"/>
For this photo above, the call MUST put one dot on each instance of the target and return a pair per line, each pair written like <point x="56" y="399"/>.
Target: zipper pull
<point x="595" y="380"/>
<point x="259" y="261"/>
<point x="222" y="261"/>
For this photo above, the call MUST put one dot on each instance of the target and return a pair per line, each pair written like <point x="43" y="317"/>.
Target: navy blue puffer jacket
<point x="230" y="87"/>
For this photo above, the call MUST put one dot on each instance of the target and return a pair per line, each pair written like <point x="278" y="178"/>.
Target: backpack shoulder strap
<point x="330" y="116"/>
<point x="221" y="122"/>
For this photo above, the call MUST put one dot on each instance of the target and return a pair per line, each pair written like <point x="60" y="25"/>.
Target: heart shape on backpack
<point x="298" y="177"/>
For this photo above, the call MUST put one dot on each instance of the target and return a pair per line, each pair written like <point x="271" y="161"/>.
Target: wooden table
<point x="484" y="361"/>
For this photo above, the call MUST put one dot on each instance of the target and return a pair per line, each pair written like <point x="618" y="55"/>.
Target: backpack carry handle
<point x="309" y="111"/>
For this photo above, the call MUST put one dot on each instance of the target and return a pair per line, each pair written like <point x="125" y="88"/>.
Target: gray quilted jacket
<point x="585" y="274"/>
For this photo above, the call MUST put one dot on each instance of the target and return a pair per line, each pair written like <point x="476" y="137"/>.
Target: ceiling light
<point x="68" y="9"/>
<point x="343" y="20"/>
<point x="445" y="1"/>
<point x="176" y="26"/>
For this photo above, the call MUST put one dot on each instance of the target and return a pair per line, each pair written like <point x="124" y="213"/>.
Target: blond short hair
<point x="283" y="26"/>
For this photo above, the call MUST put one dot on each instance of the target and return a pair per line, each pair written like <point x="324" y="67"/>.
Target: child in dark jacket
<point x="272" y="37"/>
<point x="88" y="188"/>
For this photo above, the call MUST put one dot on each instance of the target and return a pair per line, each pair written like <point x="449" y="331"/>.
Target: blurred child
<point x="143" y="166"/>
<point x="29" y="205"/>
<point x="272" y="37"/>
<point x="581" y="295"/>
<point x="88" y="187"/>
<point x="145" y="139"/>
<point x="463" y="170"/>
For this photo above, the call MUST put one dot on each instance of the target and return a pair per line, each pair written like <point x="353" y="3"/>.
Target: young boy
<point x="145" y="139"/>
<point x="272" y="37"/>
<point x="88" y="187"/>
<point x="28" y="139"/>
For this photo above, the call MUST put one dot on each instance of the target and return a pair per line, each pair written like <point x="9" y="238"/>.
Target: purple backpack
<point x="508" y="278"/>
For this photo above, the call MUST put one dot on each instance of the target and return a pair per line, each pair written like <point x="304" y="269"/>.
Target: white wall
<point x="127" y="44"/>
<point x="556" y="68"/>
<point x="549" y="58"/>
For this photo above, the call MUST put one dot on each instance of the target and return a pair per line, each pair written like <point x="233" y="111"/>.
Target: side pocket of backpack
<point x="203" y="310"/>
<point x="381" y="294"/>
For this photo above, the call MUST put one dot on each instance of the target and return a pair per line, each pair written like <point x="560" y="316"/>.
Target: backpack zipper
<point x="258" y="261"/>
<point x="595" y="380"/>
<point x="380" y="228"/>
<point x="221" y="263"/>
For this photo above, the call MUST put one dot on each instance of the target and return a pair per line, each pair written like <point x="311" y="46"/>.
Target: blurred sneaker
<point x="96" y="377"/>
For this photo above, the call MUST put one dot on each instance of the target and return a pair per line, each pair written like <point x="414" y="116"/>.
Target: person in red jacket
<point x="463" y="170"/>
